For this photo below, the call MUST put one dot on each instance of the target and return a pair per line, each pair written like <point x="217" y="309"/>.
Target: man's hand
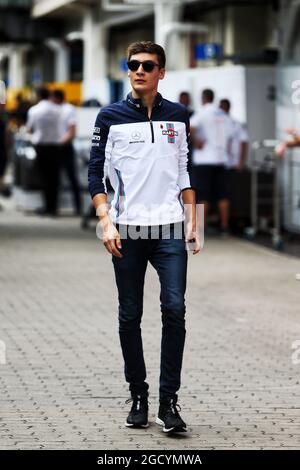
<point x="192" y="236"/>
<point x="291" y="131"/>
<point x="111" y="237"/>
<point x="281" y="149"/>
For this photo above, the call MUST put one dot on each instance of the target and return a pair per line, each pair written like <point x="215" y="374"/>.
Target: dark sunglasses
<point x="148" y="65"/>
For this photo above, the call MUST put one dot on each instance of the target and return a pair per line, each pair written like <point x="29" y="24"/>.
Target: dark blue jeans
<point x="169" y="258"/>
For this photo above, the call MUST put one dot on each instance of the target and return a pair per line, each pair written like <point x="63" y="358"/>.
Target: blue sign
<point x="123" y="64"/>
<point x="207" y="51"/>
<point x="36" y="76"/>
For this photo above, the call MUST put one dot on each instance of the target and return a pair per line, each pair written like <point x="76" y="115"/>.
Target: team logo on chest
<point x="169" y="132"/>
<point x="136" y="135"/>
<point x="136" y="138"/>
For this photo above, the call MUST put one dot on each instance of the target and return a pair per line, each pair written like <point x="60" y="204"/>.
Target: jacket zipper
<point x="152" y="131"/>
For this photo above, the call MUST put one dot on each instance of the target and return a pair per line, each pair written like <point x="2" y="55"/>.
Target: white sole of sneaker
<point x="128" y="425"/>
<point x="166" y="430"/>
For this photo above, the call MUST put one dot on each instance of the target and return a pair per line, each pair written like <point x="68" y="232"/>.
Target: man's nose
<point x="140" y="69"/>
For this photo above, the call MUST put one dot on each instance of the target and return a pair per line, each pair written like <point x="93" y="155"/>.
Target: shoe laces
<point x="136" y="401"/>
<point x="174" y="407"/>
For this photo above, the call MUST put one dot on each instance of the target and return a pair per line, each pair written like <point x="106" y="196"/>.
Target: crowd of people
<point x="52" y="123"/>
<point x="219" y="148"/>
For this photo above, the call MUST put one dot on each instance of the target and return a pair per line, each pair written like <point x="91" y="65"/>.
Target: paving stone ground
<point x="62" y="386"/>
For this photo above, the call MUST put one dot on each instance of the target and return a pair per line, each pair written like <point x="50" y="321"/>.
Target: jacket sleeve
<point x="184" y="175"/>
<point x="100" y="150"/>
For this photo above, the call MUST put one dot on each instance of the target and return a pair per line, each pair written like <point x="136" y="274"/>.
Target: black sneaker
<point x="169" y="418"/>
<point x="138" y="415"/>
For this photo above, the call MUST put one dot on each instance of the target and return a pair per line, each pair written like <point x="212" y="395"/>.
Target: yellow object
<point x="72" y="90"/>
<point x="12" y="93"/>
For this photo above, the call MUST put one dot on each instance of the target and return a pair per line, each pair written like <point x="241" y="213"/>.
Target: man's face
<point x="144" y="82"/>
<point x="224" y="107"/>
<point x="184" y="100"/>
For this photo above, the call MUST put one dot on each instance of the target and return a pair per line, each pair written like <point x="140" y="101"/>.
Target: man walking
<point x="141" y="143"/>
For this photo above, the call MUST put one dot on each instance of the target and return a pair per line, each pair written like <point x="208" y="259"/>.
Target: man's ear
<point x="162" y="73"/>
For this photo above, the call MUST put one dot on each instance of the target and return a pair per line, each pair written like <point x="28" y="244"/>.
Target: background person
<point x="20" y="113"/>
<point x="4" y="143"/>
<point x="238" y="148"/>
<point x="185" y="100"/>
<point x="211" y="131"/>
<point x="67" y="130"/>
<point x="43" y="122"/>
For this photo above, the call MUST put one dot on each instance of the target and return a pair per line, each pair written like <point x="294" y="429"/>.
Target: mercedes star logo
<point x="136" y="135"/>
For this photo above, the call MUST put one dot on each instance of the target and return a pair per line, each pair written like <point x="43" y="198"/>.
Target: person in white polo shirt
<point x="212" y="132"/>
<point x="43" y="122"/>
<point x="67" y="135"/>
<point x="239" y="143"/>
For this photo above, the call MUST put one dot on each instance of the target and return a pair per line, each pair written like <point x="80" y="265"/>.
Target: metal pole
<point x="276" y="198"/>
<point x="254" y="190"/>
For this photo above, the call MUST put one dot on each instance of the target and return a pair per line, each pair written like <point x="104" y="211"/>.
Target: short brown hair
<point x="208" y="94"/>
<point x="150" y="48"/>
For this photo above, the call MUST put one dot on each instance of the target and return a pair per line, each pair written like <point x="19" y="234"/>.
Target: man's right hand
<point x="111" y="237"/>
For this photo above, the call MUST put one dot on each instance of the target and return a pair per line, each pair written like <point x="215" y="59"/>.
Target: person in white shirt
<point x="185" y="100"/>
<point x="67" y="135"/>
<point x="43" y="123"/>
<point x="211" y="131"/>
<point x="239" y="143"/>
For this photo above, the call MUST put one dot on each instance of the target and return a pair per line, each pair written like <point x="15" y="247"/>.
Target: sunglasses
<point x="148" y="65"/>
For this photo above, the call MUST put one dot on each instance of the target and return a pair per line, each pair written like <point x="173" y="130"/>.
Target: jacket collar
<point x="137" y="102"/>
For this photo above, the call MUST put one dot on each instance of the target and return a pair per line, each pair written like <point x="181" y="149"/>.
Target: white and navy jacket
<point x="146" y="160"/>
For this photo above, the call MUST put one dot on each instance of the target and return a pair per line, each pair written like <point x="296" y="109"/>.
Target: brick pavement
<point x="62" y="386"/>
